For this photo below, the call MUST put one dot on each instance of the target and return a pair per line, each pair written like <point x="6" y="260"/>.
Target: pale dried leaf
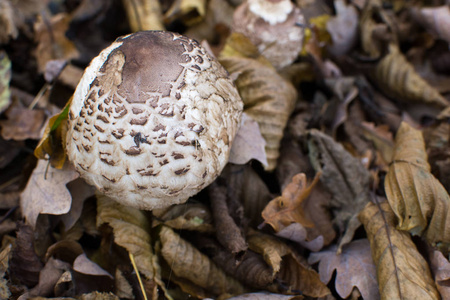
<point x="248" y="143"/>
<point x="46" y="192"/>
<point x="98" y="296"/>
<point x="5" y="77"/>
<point x="398" y="79"/>
<point x="84" y="265"/>
<point x="343" y="28"/>
<point x="297" y="233"/>
<point x="188" y="262"/>
<point x="4" y="265"/>
<point x="265" y="296"/>
<point x="402" y="273"/>
<point x="354" y="268"/>
<point x="143" y="14"/>
<point x="437" y="20"/>
<point x="440" y="266"/>
<point x="123" y="287"/>
<point x="268" y="98"/>
<point x="49" y="276"/>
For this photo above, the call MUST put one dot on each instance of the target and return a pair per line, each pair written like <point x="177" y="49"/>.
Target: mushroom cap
<point x="152" y="120"/>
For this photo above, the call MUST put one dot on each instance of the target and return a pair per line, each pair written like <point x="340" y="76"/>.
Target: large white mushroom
<point x="152" y="120"/>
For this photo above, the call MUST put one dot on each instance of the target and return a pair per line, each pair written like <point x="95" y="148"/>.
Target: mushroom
<point x="152" y="120"/>
<point x="274" y="26"/>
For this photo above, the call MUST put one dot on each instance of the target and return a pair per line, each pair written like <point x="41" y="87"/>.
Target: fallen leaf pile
<point x="337" y="185"/>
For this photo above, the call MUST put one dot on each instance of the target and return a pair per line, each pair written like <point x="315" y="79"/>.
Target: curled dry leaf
<point x="188" y="262"/>
<point x="402" y="272"/>
<point x="228" y="232"/>
<point x="84" y="265"/>
<point x="46" y="192"/>
<point x="266" y="296"/>
<point x="190" y="12"/>
<point x="343" y="28"/>
<point x="52" y="41"/>
<point x="354" y="268"/>
<point x="5" y="77"/>
<point x="248" y="143"/>
<point x="130" y="227"/>
<point x="343" y="176"/>
<point x="268" y="99"/>
<point x="298" y="233"/>
<point x="143" y="14"/>
<point x="287" y="208"/>
<point x="398" y="79"/>
<point x="417" y="198"/>
<point x="49" y="276"/>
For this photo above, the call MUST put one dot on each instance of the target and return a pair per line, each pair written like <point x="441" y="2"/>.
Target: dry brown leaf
<point x="123" y="289"/>
<point x="190" y="12"/>
<point x="46" y="192"/>
<point x="287" y="208"/>
<point x="22" y="123"/>
<point x="52" y="41"/>
<point x="299" y="234"/>
<point x="143" y="14"/>
<point x="248" y="143"/>
<point x="300" y="278"/>
<point x="98" y="296"/>
<point x="417" y="198"/>
<point x="398" y="79"/>
<point x="238" y="45"/>
<point x="131" y="231"/>
<point x="402" y="272"/>
<point x="381" y="138"/>
<point x="268" y="98"/>
<point x="188" y="262"/>
<point x="49" y="276"/>
<point x="9" y="21"/>
<point x="440" y="266"/>
<point x="343" y="28"/>
<point x="5" y="77"/>
<point x="354" y="268"/>
<point x="343" y="176"/>
<point x="4" y="265"/>
<point x="269" y="247"/>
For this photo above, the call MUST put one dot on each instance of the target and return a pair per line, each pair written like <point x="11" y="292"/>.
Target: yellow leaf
<point x="53" y="143"/>
<point x="190" y="12"/>
<point x="402" y="272"/>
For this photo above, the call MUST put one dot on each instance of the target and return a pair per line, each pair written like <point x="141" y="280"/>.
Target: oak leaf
<point x="46" y="192"/>
<point x="354" y="268"/>
<point x="287" y="209"/>
<point x="402" y="273"/>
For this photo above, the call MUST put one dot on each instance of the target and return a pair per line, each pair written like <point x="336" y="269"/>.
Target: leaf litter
<point x="314" y="145"/>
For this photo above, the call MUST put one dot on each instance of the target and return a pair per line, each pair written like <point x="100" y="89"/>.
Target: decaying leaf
<point x="4" y="265"/>
<point x="398" y="79"/>
<point x="22" y="123"/>
<point x="298" y="233"/>
<point x="188" y="262"/>
<point x="52" y="40"/>
<point x="9" y="21"/>
<point x="382" y="139"/>
<point x="343" y="176"/>
<point x="402" y="272"/>
<point x="354" y="268"/>
<point x="417" y="198"/>
<point x="49" y="276"/>
<point x="268" y="98"/>
<point x="287" y="209"/>
<point x="248" y="143"/>
<point x="46" y="192"/>
<point x="343" y="28"/>
<point x="52" y="144"/>
<point x="143" y="14"/>
<point x="266" y="296"/>
<point x="5" y="77"/>
<point x="84" y="265"/>
<point x="440" y="267"/>
<point x="24" y="264"/>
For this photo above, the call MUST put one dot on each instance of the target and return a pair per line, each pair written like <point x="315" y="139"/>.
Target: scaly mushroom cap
<point x="152" y="120"/>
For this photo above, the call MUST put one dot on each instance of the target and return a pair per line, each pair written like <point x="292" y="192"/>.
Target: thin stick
<point x="138" y="275"/>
